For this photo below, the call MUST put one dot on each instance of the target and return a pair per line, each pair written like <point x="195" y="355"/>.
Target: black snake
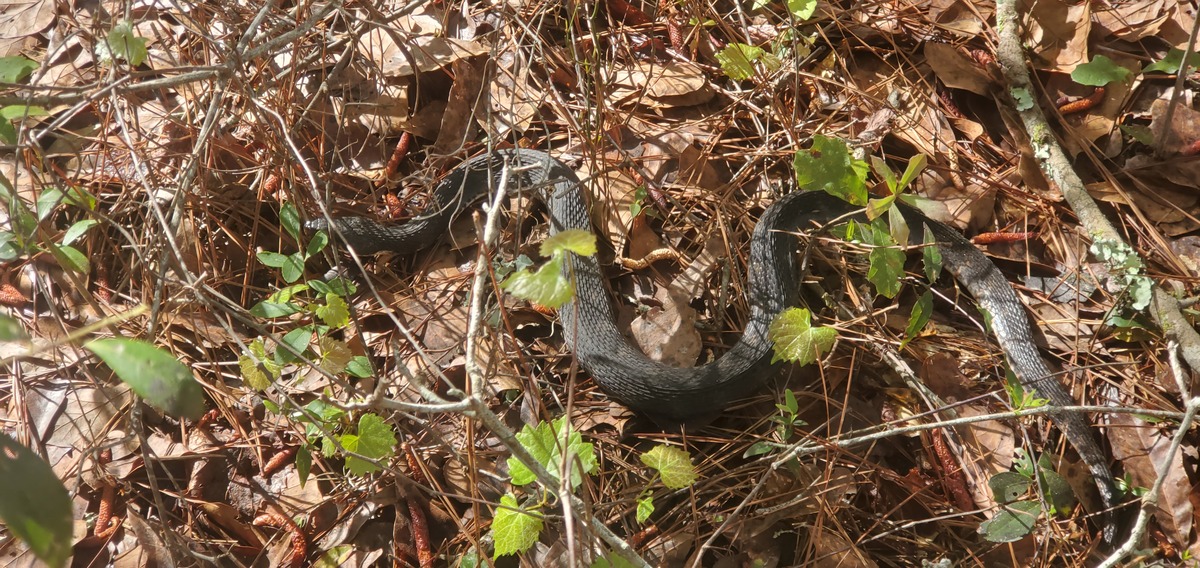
<point x="680" y="395"/>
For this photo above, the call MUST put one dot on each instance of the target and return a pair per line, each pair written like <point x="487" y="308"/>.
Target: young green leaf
<point x="645" y="508"/>
<point x="550" y="449"/>
<point x="260" y="370"/>
<point x="375" y="440"/>
<point x="334" y="313"/>
<point x="828" y="166"/>
<point x="796" y="340"/>
<point x="547" y="286"/>
<point x="578" y="241"/>
<point x="155" y="375"/>
<point x="673" y="464"/>
<point x="802" y="10"/>
<point x="335" y="354"/>
<point x="34" y="504"/>
<point x="513" y="528"/>
<point x="737" y="60"/>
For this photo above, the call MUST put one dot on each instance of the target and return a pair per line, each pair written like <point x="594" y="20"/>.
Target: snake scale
<point x="679" y="395"/>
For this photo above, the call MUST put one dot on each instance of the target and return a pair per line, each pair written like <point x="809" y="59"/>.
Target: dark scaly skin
<point x="681" y="395"/>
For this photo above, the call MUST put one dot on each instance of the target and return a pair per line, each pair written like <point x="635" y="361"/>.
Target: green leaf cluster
<point x="1019" y="515"/>
<point x="1126" y="271"/>
<point x="22" y="237"/>
<point x="556" y="446"/>
<point x="550" y="285"/>
<point x="323" y="301"/>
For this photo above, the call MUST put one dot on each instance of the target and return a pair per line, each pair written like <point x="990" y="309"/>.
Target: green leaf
<point x="77" y="230"/>
<point x="789" y="406"/>
<point x="334" y="313"/>
<point x="316" y="243"/>
<point x="1099" y="72"/>
<point x="15" y="69"/>
<point x="737" y="60"/>
<point x="758" y="449"/>
<point x="883" y="170"/>
<point x="266" y="309"/>
<point x="47" y="201"/>
<point x="796" y="340"/>
<point x="1058" y="492"/>
<point x="70" y="258"/>
<point x="828" y="166"/>
<point x="123" y="44"/>
<point x="359" y="367"/>
<point x="154" y="374"/>
<point x="922" y="311"/>
<point x="1012" y="523"/>
<point x="298" y="339"/>
<point x="8" y="132"/>
<point x="513" y="528"/>
<point x="260" y="370"/>
<point x="1009" y="486"/>
<point x="293" y="268"/>
<point x="1172" y="62"/>
<point x="550" y="450"/>
<point x="877" y="207"/>
<point x="547" y="286"/>
<point x="375" y="440"/>
<point x="335" y="355"/>
<point x="289" y="218"/>
<point x="12" y="330"/>
<point x="915" y="166"/>
<point x="34" y="505"/>
<point x="272" y="259"/>
<point x="931" y="256"/>
<point x="886" y="266"/>
<point x="578" y="241"/>
<point x="80" y="197"/>
<point x="303" y="463"/>
<point x="802" y="10"/>
<point x="897" y="226"/>
<point x="673" y="464"/>
<point x="13" y="112"/>
<point x="645" y="508"/>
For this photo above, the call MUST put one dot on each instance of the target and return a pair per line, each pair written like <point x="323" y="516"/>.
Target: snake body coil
<point x="676" y="394"/>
